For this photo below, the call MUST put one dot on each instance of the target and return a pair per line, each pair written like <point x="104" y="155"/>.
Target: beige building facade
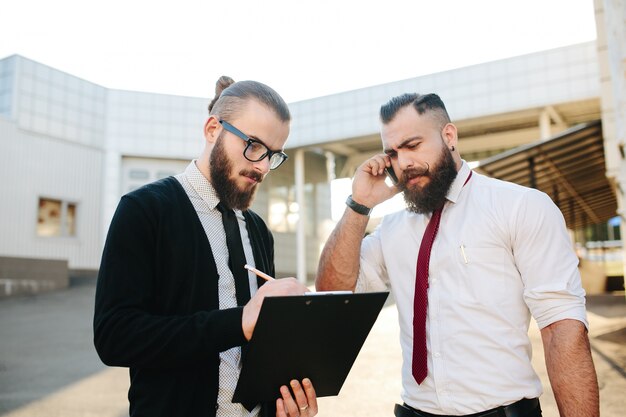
<point x="69" y="149"/>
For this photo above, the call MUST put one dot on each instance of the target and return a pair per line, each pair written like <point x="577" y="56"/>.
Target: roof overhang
<point x="569" y="167"/>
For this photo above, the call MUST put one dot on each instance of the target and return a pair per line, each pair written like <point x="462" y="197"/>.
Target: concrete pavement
<point x="48" y="366"/>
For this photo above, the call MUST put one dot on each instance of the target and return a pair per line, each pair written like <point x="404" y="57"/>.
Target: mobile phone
<point x="392" y="175"/>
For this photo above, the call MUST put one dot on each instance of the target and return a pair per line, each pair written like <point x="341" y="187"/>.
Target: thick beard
<point x="428" y="198"/>
<point x="220" y="168"/>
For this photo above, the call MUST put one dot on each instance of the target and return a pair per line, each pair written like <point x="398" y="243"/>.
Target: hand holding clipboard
<point x="304" y="399"/>
<point x="331" y="330"/>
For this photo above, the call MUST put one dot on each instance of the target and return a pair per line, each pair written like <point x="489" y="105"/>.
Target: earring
<point x="452" y="148"/>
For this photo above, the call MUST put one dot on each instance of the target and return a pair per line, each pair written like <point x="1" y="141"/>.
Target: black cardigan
<point x="157" y="309"/>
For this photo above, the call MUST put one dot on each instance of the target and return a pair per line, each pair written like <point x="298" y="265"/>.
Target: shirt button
<point x="437" y="355"/>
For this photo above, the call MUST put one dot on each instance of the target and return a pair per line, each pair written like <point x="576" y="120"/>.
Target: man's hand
<point x="368" y="186"/>
<point x="283" y="286"/>
<point x="303" y="405"/>
<point x="339" y="262"/>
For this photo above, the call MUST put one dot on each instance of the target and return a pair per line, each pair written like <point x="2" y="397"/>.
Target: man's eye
<point x="256" y="147"/>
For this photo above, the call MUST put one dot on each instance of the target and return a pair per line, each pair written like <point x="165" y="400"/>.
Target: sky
<point x="301" y="48"/>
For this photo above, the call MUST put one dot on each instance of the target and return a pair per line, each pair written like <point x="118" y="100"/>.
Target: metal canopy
<point x="569" y="167"/>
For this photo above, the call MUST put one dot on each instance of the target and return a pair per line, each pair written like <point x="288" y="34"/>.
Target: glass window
<point x="71" y="219"/>
<point x="284" y="211"/>
<point x="279" y="209"/>
<point x="49" y="217"/>
<point x="5" y="102"/>
<point x="56" y="218"/>
<point x="139" y="174"/>
<point x="5" y="83"/>
<point x="164" y="174"/>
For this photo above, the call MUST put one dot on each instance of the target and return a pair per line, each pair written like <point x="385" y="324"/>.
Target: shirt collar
<point x="459" y="182"/>
<point x="201" y="185"/>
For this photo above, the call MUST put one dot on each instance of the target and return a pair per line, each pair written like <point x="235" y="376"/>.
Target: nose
<point x="263" y="166"/>
<point x="405" y="161"/>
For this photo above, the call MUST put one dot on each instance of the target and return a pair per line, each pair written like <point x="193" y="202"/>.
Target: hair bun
<point x="222" y="84"/>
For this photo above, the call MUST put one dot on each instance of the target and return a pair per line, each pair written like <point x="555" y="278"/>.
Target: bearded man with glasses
<point x="173" y="301"/>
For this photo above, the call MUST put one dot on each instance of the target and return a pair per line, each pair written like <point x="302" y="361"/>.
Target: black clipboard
<point x="307" y="336"/>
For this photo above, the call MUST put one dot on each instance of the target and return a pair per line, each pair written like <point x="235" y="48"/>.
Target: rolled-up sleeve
<point x="372" y="271"/>
<point x="546" y="260"/>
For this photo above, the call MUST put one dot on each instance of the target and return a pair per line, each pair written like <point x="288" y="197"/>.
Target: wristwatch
<point x="359" y="208"/>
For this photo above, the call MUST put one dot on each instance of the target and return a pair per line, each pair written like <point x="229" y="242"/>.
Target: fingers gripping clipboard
<point x="308" y="336"/>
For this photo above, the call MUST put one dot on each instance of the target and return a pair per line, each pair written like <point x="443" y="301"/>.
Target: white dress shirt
<point x="501" y="254"/>
<point x="204" y="199"/>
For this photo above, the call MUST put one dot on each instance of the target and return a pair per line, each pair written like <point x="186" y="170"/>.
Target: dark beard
<point x="430" y="197"/>
<point x="220" y="168"/>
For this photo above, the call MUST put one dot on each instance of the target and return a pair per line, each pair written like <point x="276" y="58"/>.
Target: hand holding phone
<point x="369" y="185"/>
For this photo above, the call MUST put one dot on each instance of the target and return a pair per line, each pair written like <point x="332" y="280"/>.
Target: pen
<point x="463" y="253"/>
<point x="259" y="273"/>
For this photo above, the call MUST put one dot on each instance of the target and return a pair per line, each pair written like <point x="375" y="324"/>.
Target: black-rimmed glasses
<point x="256" y="150"/>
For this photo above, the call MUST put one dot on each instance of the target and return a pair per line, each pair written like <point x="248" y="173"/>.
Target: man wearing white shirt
<point x="469" y="261"/>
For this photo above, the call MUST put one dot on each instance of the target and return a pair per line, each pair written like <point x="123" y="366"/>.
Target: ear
<point x="449" y="135"/>
<point x="212" y="129"/>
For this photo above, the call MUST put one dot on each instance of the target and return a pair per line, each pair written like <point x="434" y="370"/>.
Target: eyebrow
<point x="255" y="138"/>
<point x="403" y="144"/>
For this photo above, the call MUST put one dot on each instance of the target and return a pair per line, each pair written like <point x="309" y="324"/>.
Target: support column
<point x="544" y="124"/>
<point x="111" y="182"/>
<point x="330" y="165"/>
<point x="531" y="173"/>
<point x="300" y="231"/>
<point x="610" y="16"/>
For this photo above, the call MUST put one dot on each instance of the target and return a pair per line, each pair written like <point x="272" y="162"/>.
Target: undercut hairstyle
<point x="230" y="97"/>
<point x="422" y="103"/>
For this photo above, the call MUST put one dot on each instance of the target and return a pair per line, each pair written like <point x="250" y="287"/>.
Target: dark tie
<point x="236" y="262"/>
<point x="420" y="302"/>
<point x="236" y="256"/>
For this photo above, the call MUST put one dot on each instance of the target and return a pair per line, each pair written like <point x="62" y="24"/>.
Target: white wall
<point x="53" y="103"/>
<point x="33" y="166"/>
<point x="535" y="80"/>
<point x="155" y="125"/>
<point x="7" y="85"/>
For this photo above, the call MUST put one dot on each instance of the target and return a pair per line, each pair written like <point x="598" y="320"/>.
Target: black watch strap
<point x="359" y="208"/>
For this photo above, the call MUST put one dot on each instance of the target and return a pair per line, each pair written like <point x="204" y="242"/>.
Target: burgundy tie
<point x="420" y="302"/>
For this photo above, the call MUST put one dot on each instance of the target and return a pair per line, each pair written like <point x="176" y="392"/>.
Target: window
<point x="71" y="219"/>
<point x="280" y="218"/>
<point x="56" y="218"/>
<point x="139" y="174"/>
<point x="164" y="174"/>
<point x="284" y="212"/>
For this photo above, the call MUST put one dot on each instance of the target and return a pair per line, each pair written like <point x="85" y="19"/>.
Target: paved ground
<point x="49" y="368"/>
